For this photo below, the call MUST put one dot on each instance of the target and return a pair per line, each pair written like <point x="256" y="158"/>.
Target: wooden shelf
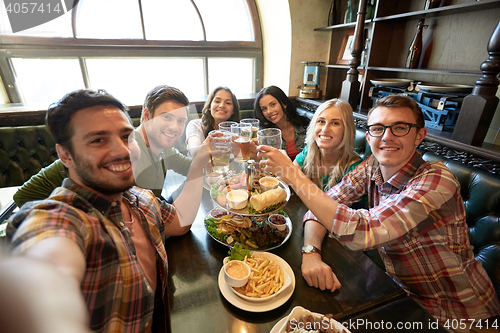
<point x="434" y="12"/>
<point x="413" y="70"/>
<point x="441" y="11"/>
<point x="340" y="66"/>
<point x="346" y="26"/>
<point x="477" y="73"/>
<point x="455" y="46"/>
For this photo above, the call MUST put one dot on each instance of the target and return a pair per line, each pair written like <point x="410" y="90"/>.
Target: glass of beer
<point x="242" y="134"/>
<point x="226" y="125"/>
<point x="220" y="150"/>
<point x="255" y="126"/>
<point x="269" y="137"/>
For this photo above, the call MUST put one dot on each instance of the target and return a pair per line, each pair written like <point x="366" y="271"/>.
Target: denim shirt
<point x="300" y="138"/>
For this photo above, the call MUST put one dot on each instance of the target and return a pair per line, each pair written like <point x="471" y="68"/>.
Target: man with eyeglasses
<point x="416" y="217"/>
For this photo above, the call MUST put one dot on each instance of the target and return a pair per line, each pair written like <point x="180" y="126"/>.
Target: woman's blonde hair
<point x="347" y="155"/>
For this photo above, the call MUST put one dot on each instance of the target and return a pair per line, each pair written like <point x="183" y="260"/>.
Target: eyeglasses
<point x="400" y="129"/>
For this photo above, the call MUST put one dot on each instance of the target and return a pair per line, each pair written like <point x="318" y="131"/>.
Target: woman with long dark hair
<point x="273" y="108"/>
<point x="220" y="106"/>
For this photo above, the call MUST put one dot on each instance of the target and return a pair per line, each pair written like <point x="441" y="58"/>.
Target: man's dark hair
<point x="398" y="101"/>
<point x="59" y="114"/>
<point x="161" y="94"/>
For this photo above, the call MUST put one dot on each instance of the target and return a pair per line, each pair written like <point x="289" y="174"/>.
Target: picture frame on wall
<point x="345" y="49"/>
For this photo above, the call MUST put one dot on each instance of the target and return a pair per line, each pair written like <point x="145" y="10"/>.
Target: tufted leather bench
<point x="25" y="150"/>
<point x="481" y="194"/>
<point x="480" y="191"/>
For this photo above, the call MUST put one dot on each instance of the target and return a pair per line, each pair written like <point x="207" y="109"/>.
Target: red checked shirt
<point x="418" y="225"/>
<point x="117" y="293"/>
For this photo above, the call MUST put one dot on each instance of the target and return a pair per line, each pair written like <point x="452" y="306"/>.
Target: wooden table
<point x="197" y="305"/>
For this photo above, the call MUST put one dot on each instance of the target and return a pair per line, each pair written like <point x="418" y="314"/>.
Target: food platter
<point x="244" y="211"/>
<point x="445" y="88"/>
<point x="267" y="247"/>
<point x="267" y="305"/>
<point x="287" y="278"/>
<point x="299" y="312"/>
<point x="391" y="82"/>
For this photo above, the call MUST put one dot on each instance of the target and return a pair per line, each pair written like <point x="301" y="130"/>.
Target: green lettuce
<point x="212" y="230"/>
<point x="269" y="209"/>
<point x="239" y="253"/>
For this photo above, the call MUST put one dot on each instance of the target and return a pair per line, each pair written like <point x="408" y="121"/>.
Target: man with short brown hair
<point x="416" y="218"/>
<point x="97" y="228"/>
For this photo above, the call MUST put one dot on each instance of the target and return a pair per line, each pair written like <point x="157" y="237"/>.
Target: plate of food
<point x="252" y="296"/>
<point x="251" y="232"/>
<point x="268" y="278"/>
<point x="304" y="321"/>
<point x="253" y="202"/>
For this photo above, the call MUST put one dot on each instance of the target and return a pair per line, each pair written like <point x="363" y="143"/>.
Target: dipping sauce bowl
<point x="277" y="221"/>
<point x="237" y="199"/>
<point x="268" y="183"/>
<point x="236" y="273"/>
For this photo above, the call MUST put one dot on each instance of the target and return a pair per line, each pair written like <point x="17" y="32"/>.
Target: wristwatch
<point x="310" y="249"/>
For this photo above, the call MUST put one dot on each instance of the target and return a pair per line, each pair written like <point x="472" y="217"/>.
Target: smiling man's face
<point x="100" y="154"/>
<point x="166" y="126"/>
<point x="393" y="152"/>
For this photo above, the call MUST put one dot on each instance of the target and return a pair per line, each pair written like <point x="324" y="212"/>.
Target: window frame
<point x="62" y="47"/>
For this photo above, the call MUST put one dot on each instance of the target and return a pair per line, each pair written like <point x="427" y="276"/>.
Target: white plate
<point x="264" y="248"/>
<point x="268" y="305"/>
<point x="245" y="212"/>
<point x="298" y="312"/>
<point x="391" y="82"/>
<point x="445" y="88"/>
<point x="286" y="277"/>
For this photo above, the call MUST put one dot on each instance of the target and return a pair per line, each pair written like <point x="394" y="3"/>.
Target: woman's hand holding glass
<point x="275" y="162"/>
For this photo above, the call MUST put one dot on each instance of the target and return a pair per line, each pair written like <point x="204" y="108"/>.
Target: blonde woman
<point x="329" y="153"/>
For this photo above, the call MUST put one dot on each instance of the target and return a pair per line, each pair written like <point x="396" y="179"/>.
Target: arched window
<point x="129" y="46"/>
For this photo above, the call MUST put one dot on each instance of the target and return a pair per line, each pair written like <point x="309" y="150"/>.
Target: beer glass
<point x="255" y="126"/>
<point x="242" y="134"/>
<point x="226" y="125"/>
<point x="220" y="150"/>
<point x="269" y="137"/>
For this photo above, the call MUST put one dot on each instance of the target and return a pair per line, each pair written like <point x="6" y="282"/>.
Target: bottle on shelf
<point x="350" y="12"/>
<point x="415" y="50"/>
<point x="370" y="10"/>
<point x="364" y="54"/>
<point x="429" y="4"/>
<point x="332" y="15"/>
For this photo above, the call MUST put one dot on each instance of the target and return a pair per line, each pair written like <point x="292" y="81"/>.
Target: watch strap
<point x="310" y="249"/>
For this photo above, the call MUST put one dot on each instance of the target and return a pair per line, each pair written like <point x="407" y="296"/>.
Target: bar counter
<point x="197" y="305"/>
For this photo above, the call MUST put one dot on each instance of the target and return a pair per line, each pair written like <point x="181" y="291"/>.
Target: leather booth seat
<point x="481" y="194"/>
<point x="480" y="191"/>
<point x="25" y="150"/>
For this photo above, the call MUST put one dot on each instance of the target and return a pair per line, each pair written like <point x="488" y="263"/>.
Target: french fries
<point x="266" y="277"/>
